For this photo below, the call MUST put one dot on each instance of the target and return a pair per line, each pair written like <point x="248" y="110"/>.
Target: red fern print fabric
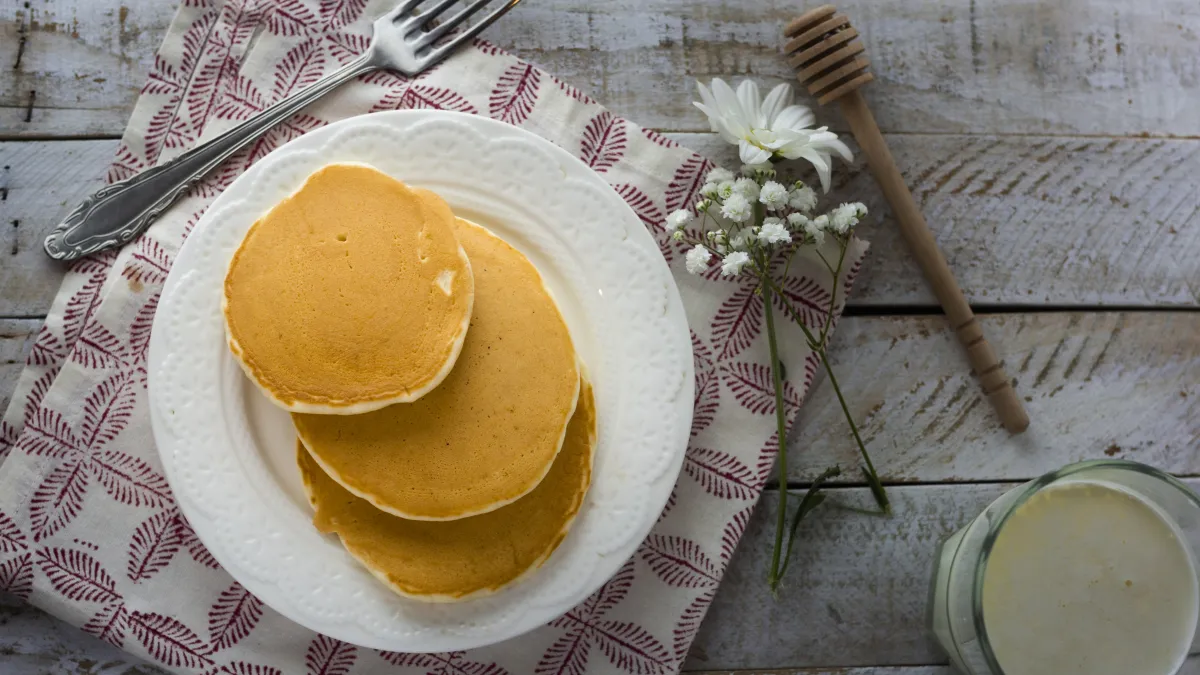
<point x="89" y="528"/>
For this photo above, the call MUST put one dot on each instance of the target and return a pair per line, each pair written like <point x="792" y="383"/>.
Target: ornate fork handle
<point x="117" y="213"/>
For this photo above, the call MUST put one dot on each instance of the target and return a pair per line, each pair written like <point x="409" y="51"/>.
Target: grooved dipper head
<point x="824" y="49"/>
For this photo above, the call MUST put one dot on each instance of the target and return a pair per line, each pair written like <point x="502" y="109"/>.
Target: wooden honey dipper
<point x="828" y="59"/>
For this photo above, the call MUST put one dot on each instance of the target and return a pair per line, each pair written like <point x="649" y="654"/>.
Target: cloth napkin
<point x="89" y="530"/>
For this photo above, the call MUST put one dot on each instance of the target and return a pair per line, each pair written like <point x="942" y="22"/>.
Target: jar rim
<point x="1026" y="492"/>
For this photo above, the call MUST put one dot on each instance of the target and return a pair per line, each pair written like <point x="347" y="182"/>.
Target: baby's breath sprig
<point x="752" y="223"/>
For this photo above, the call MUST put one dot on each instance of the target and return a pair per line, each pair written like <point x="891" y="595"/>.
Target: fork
<point x="404" y="40"/>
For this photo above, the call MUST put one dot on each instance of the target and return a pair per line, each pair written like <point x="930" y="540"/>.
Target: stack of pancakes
<point x="445" y="425"/>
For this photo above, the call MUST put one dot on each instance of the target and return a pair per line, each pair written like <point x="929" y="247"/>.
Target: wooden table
<point x="1054" y="147"/>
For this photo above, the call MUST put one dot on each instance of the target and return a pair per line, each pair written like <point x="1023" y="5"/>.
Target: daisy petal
<point x="709" y="113"/>
<point x="727" y="101"/>
<point x="747" y="93"/>
<point x="776" y="102"/>
<point x="838" y="147"/>
<point x="752" y="154"/>
<point x="820" y="163"/>
<point x="793" y="117"/>
<point x="717" y="123"/>
<point x="706" y="96"/>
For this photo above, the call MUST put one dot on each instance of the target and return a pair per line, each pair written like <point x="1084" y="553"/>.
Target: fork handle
<point x="117" y="213"/>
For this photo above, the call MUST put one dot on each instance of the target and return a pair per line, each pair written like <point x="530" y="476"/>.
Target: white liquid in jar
<point x="1088" y="578"/>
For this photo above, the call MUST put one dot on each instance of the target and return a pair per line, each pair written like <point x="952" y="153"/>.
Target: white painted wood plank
<point x="83" y="63"/>
<point x="35" y="643"/>
<point x="1023" y="221"/>
<point x="40" y="182"/>
<point x="857" y="593"/>
<point x="1030" y="220"/>
<point x="16" y="337"/>
<point x="1106" y="67"/>
<point x="1192" y="667"/>
<point x="898" y="670"/>
<point x="1120" y="384"/>
<point x="1097" y="385"/>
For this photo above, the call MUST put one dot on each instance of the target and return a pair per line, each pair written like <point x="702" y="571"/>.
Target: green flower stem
<point x="869" y="472"/>
<point x="775" y="574"/>
<point x="811" y="500"/>
<point x="837" y="278"/>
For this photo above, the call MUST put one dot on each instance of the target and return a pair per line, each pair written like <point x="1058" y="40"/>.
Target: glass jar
<point x="1058" y="573"/>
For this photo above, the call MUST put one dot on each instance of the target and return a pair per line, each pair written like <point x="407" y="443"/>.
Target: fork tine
<point x="446" y="26"/>
<point x="404" y="8"/>
<point x="432" y="13"/>
<point x="469" y="34"/>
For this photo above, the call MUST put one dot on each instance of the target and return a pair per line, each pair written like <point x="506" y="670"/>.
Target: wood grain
<point x="39" y="184"/>
<point x="16" y="337"/>
<point x="1023" y="221"/>
<point x="35" y="643"/>
<point x="899" y="670"/>
<point x="857" y="593"/>
<point x="859" y="581"/>
<point x="1192" y="667"/>
<point x="1023" y="129"/>
<point x="1111" y="384"/>
<point x="1106" y="67"/>
<point x="1031" y="220"/>
<point x="75" y="67"/>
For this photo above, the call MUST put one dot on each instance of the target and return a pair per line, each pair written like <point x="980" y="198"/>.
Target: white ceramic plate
<point x="230" y="455"/>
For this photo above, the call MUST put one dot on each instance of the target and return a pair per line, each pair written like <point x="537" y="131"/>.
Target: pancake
<point x="455" y="560"/>
<point x="350" y="295"/>
<point x="489" y="433"/>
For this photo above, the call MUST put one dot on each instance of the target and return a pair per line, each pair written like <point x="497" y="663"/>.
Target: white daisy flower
<point x="709" y="190"/>
<point x="697" y="259"/>
<point x="745" y="119"/>
<point x="773" y="195"/>
<point x="774" y="232"/>
<point x="803" y="199"/>
<point x="763" y="129"/>
<point x="734" y="262"/>
<point x="679" y="219"/>
<point x="737" y="208"/>
<point x="746" y="187"/>
<point x="797" y="220"/>
<point x="725" y="189"/>
<point x="719" y="175"/>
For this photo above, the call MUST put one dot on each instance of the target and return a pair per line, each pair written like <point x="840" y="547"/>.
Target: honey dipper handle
<point x="933" y="264"/>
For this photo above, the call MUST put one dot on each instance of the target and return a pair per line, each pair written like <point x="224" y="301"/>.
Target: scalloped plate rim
<point x="675" y="353"/>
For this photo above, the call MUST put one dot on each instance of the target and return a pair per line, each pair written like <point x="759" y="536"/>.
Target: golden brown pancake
<point x="489" y="433"/>
<point x="454" y="560"/>
<point x="350" y="295"/>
